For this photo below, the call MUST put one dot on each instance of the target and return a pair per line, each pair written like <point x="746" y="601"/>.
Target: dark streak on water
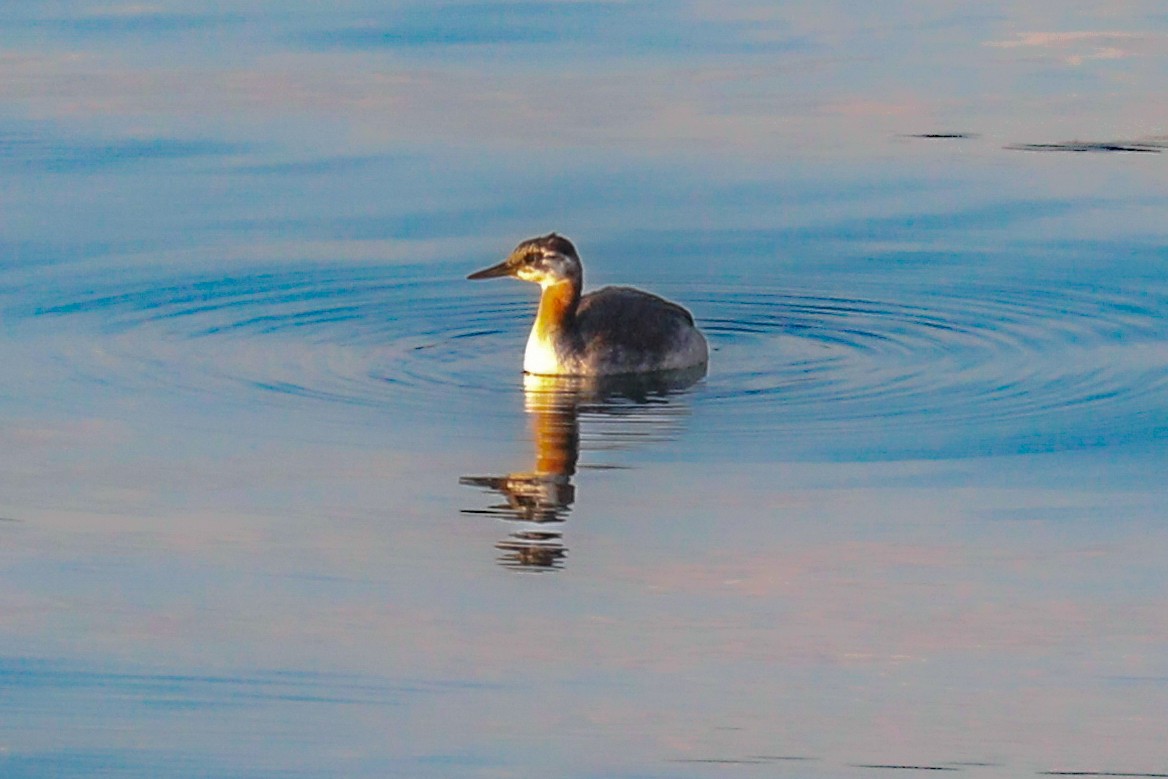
<point x="897" y="767"/>
<point x="944" y="136"/>
<point x="1146" y="145"/>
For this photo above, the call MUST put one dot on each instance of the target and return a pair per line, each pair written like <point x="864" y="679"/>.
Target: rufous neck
<point x="557" y="307"/>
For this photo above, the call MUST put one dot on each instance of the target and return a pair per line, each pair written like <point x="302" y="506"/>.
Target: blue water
<point x="276" y="500"/>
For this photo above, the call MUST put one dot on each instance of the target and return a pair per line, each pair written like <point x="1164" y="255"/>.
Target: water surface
<point x="276" y="500"/>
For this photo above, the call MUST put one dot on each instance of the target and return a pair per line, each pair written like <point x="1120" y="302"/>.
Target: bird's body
<point x="614" y="330"/>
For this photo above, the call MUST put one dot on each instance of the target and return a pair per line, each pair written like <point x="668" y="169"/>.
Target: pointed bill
<point x="505" y="268"/>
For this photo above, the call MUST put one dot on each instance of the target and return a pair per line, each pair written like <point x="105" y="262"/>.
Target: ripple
<point x="995" y="367"/>
<point x="376" y="338"/>
<point x="995" y="360"/>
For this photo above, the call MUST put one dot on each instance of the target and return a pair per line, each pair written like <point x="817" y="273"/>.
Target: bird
<point x="611" y="331"/>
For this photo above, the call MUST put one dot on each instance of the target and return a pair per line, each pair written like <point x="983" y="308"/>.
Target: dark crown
<point x="550" y="242"/>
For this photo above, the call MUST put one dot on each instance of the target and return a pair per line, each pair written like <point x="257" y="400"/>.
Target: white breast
<point x="540" y="356"/>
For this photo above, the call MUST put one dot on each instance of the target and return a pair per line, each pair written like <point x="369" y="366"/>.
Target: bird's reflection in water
<point x="622" y="409"/>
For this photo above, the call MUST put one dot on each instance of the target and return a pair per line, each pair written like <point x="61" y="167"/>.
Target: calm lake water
<point x="276" y="499"/>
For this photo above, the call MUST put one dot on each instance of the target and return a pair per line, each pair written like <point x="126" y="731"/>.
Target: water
<point x="277" y="500"/>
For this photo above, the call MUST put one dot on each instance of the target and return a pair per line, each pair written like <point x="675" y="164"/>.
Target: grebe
<point x="611" y="331"/>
